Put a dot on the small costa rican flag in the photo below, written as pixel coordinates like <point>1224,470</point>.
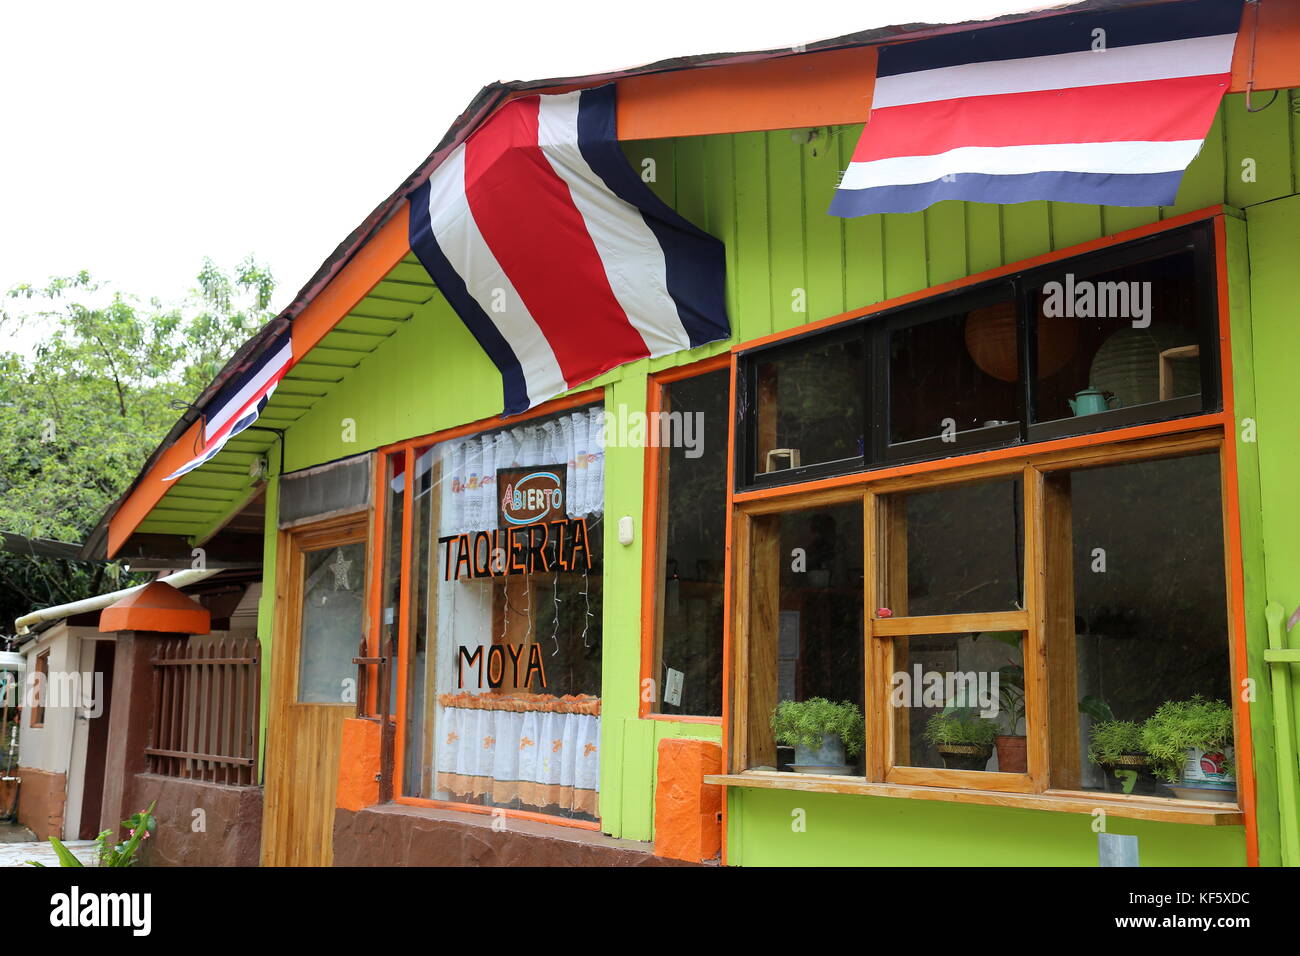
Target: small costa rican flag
<point>1106,108</point>
<point>556,255</point>
<point>238,404</point>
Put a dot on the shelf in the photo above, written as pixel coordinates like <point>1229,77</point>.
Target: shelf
<point>1163,809</point>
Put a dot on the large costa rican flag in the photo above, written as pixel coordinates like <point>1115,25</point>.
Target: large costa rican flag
<point>1105,108</point>
<point>556,255</point>
<point>238,403</point>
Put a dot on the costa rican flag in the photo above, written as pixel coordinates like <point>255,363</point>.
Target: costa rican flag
<point>1105,108</point>
<point>238,404</point>
<point>556,255</point>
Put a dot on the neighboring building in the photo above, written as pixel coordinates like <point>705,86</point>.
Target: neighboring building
<point>902,459</point>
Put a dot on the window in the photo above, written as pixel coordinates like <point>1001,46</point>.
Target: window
<point>1114,338</point>
<point>686,522</point>
<point>502,643</point>
<point>333,620</point>
<point>1010,608</point>
<point>40,689</point>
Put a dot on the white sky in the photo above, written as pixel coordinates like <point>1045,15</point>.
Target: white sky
<point>137,137</point>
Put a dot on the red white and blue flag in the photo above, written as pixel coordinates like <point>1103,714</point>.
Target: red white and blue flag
<point>238,403</point>
<point>556,255</point>
<point>1104,107</point>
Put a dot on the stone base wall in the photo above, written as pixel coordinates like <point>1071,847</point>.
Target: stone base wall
<point>228,831</point>
<point>42,799</point>
<point>397,835</point>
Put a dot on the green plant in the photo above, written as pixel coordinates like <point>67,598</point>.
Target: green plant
<point>1111,739</point>
<point>803,723</point>
<point>138,826</point>
<point>1179,725</point>
<point>1011,695</point>
<point>961,729</point>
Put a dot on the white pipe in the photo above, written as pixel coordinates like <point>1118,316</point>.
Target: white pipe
<point>85,605</point>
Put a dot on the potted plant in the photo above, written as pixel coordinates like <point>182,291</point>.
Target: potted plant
<point>1116,747</point>
<point>1190,746</point>
<point>963,738</point>
<point>821,732</point>
<point>1011,709</point>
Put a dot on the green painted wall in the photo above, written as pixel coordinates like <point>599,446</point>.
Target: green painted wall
<point>766,198</point>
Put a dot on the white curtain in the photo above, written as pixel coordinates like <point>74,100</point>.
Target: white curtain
<point>469,467</point>
<point>543,758</point>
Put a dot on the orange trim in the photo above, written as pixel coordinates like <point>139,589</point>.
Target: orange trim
<point>650,530</point>
<point>1236,563</point>
<point>151,488</point>
<point>379,539</point>
<point>1272,34</point>
<point>354,282</point>
<point>727,597</point>
<point>512,814</point>
<point>1105,242</point>
<point>1213,420</point>
<point>585,397</point>
<point>404,621</point>
<point>828,88</point>
<point>674,719</point>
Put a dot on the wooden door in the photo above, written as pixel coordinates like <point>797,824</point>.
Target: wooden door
<point>321,584</point>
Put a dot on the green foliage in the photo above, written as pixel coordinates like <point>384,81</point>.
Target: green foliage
<point>803,723</point>
<point>79,416</point>
<point>139,826</point>
<point>1096,708</point>
<point>1179,725</point>
<point>960,728</point>
<point>1111,739</point>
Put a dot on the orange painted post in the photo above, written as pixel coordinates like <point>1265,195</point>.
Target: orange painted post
<point>359,764</point>
<point>688,812</point>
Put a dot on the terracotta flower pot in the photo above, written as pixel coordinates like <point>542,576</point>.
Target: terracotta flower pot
<point>1011,754</point>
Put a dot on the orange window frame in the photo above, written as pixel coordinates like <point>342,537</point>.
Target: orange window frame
<point>841,487</point>
<point>653,529</point>
<point>408,447</point>
<point>42,689</point>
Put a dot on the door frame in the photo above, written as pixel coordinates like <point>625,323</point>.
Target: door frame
<point>286,656</point>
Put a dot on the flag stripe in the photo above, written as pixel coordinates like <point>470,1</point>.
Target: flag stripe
<point>631,256</point>
<point>1064,34</point>
<point>253,383</point>
<point>1128,158</point>
<point>1176,109</point>
<point>695,261</point>
<point>458,259</point>
<point>527,216</point>
<point>1155,61</point>
<point>1099,189</point>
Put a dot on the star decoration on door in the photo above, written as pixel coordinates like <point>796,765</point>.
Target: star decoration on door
<point>341,566</point>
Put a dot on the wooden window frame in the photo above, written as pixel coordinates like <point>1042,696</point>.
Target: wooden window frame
<point>654,524</point>
<point>396,770</point>
<point>1146,440</point>
<point>37,720</point>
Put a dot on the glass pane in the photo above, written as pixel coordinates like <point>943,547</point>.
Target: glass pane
<point>810,405</point>
<point>954,374</point>
<point>1150,608</point>
<point>958,702</point>
<point>693,503</point>
<point>1117,339</point>
<point>333,616</point>
<point>806,676</point>
<point>395,508</point>
<point>965,548</point>
<point>503,704</point>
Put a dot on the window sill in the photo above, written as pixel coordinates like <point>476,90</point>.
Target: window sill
<point>1164,809</point>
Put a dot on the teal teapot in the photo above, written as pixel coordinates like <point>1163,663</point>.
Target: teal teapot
<point>1092,400</point>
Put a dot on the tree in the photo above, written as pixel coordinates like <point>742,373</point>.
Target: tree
<point>81,415</point>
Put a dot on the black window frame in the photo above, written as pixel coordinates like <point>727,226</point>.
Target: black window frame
<point>875,328</point>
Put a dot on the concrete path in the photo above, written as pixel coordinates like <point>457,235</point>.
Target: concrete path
<point>17,854</point>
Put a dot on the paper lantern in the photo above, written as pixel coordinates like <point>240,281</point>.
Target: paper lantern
<point>991,341</point>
